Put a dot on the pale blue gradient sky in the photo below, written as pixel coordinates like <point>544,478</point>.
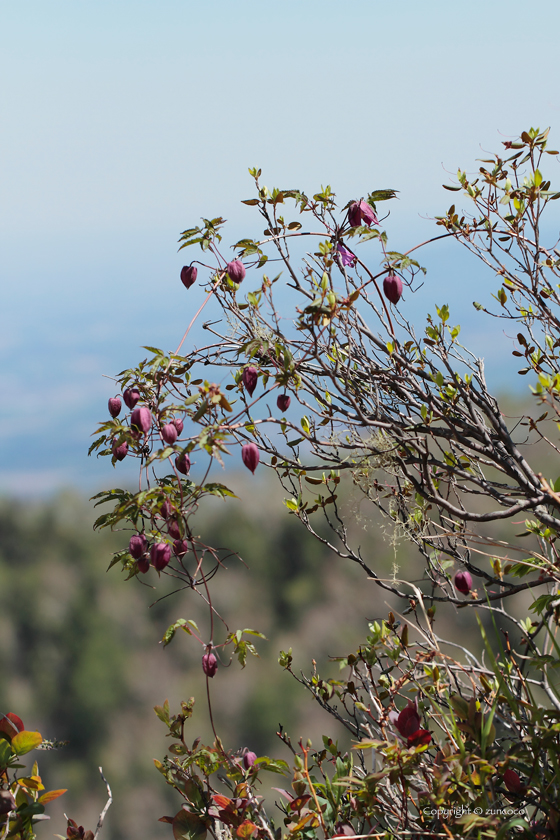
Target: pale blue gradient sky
<point>124,122</point>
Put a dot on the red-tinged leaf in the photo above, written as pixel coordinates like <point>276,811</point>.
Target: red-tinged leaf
<point>246,830</point>
<point>420,738</point>
<point>221,801</point>
<point>297,804</point>
<point>26,741</point>
<point>11,724</point>
<point>166,820</point>
<point>188,826</point>
<point>51,795</point>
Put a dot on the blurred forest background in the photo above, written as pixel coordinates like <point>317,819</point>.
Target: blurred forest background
<point>82,661</point>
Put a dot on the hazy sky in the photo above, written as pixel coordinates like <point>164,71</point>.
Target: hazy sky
<point>124,122</point>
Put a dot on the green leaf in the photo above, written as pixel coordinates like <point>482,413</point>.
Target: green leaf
<point>6,752</point>
<point>188,826</point>
<point>25,741</point>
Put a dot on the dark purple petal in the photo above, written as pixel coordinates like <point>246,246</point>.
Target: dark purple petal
<point>183,463</point>
<point>131,397</point>
<point>137,545</point>
<point>115,405</point>
<point>169,433</point>
<point>160,554</point>
<point>250,378</point>
<point>236,271</point>
<point>188,275</point>
<point>392,286</point>
<point>346,256</point>
<point>141,419</point>
<point>209,664</point>
<point>250,456</point>
<point>463,582</point>
<point>283,402</point>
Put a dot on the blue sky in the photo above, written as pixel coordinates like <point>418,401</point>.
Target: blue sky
<point>124,122</point>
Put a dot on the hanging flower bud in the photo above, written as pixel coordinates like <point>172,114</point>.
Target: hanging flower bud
<point>250,378</point>
<point>160,555</point>
<point>137,545</point>
<point>250,456</point>
<point>143,564</point>
<point>392,286</point>
<point>180,547</point>
<point>346,256</point>
<point>209,664</point>
<point>249,759</point>
<point>188,275</point>
<point>178,423</point>
<point>236,271</point>
<point>115,406</point>
<point>183,463</point>
<point>354,214</point>
<point>165,509</point>
<point>513,782</point>
<point>120,451</point>
<point>463,582</point>
<point>169,433</point>
<point>141,418</point>
<point>283,402</point>
<point>131,397</point>
<point>367,213</point>
<point>173,529</point>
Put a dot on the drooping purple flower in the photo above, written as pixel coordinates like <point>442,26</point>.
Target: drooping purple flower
<point>513,781</point>
<point>143,564</point>
<point>250,378</point>
<point>169,433</point>
<point>178,423</point>
<point>141,419</point>
<point>368,214</point>
<point>283,402</point>
<point>354,214</point>
<point>173,529</point>
<point>183,463</point>
<point>160,554</point>
<point>463,582</point>
<point>180,547</point>
<point>408,725</point>
<point>137,545</point>
<point>209,664</point>
<point>188,275</point>
<point>165,508</point>
<point>236,271</point>
<point>120,451</point>
<point>131,397</point>
<point>250,456</point>
<point>115,405</point>
<point>249,759</point>
<point>392,286</point>
<point>346,256</point>
<point>361,211</point>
